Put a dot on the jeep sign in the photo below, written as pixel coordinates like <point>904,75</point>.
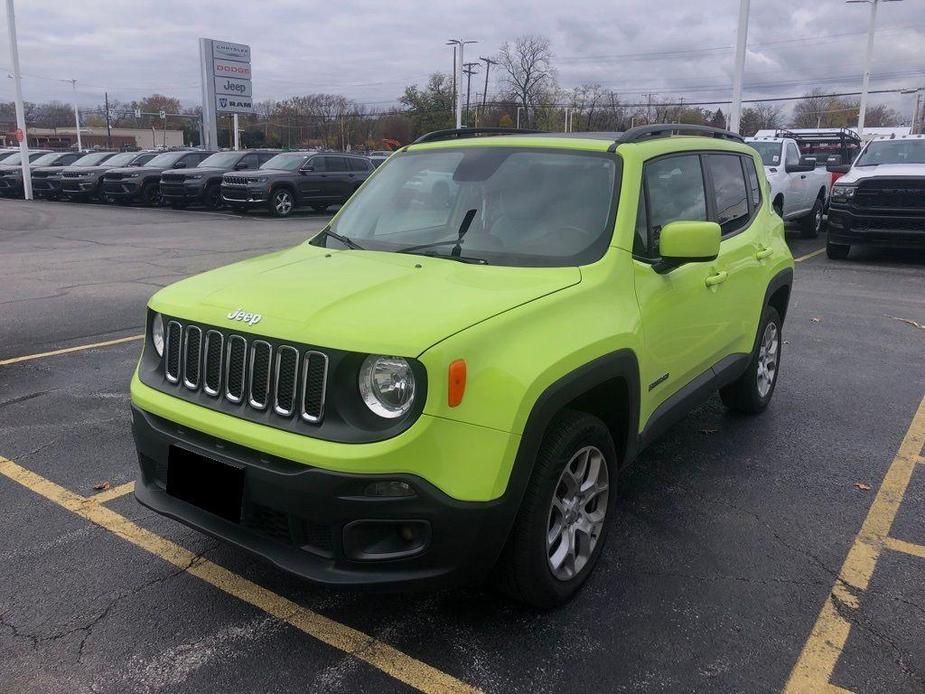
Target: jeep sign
<point>225,68</point>
<point>232,87</point>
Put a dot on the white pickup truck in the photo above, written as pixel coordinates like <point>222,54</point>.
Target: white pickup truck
<point>799,190</point>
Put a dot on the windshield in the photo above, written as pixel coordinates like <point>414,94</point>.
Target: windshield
<point>92,159</point>
<point>221,160</point>
<point>515,206</point>
<point>290,161</point>
<point>123,159</point>
<point>769,151</point>
<point>163,161</point>
<point>13,159</point>
<point>893,152</point>
<point>46,159</point>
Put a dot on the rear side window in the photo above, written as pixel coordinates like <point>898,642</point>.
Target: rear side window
<point>730,193</point>
<point>753,183</point>
<point>674,186</point>
<point>358,164</point>
<point>337,164</point>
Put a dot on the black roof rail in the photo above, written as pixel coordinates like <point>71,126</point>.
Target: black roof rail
<point>650,132</point>
<point>459,133</point>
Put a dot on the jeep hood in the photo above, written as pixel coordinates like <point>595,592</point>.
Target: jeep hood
<point>365,301</point>
<point>859,173</point>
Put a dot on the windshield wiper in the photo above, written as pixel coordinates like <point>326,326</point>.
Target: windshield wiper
<point>348,242</point>
<point>457,242</point>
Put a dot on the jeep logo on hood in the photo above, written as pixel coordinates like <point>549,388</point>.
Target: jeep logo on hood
<point>244,316</point>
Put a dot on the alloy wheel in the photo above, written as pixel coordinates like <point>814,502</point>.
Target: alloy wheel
<point>767,359</point>
<point>577,513</point>
<point>282,202</point>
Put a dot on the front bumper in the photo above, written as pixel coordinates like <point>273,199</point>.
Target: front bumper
<point>849,227</point>
<point>78,187</point>
<point>320,524</point>
<point>11,187</point>
<point>244,195</point>
<point>122,189</point>
<point>181,192</point>
<point>46,187</point>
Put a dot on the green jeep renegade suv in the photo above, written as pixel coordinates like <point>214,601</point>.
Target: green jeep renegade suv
<point>446,381</point>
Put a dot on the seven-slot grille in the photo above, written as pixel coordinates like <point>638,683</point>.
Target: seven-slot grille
<point>244,372</point>
<point>239,180</point>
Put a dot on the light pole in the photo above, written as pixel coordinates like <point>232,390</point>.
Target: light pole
<point>735,117</point>
<point>20,114</point>
<point>470,69</point>
<point>868,54</point>
<point>519,108</point>
<point>461,43</point>
<point>77,116</point>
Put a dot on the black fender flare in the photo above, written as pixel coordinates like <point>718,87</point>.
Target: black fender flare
<point>784,278</point>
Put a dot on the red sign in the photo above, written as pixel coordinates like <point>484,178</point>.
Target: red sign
<point>19,135</point>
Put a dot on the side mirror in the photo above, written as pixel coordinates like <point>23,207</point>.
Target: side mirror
<point>307,169</point>
<point>687,242</point>
<point>240,166</point>
<point>838,168</point>
<point>801,167</point>
<point>180,165</point>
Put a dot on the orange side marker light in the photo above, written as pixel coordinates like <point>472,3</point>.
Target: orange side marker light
<point>457,383</point>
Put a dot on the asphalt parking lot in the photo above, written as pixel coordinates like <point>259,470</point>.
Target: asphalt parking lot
<point>781,552</point>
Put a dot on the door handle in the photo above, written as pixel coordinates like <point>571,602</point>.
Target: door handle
<point>718,278</point>
<point>764,253</point>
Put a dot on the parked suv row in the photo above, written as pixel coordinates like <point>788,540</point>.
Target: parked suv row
<point>297,179</point>
<point>142,183</point>
<point>203,184</point>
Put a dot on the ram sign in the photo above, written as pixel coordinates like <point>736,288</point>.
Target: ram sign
<point>225,68</point>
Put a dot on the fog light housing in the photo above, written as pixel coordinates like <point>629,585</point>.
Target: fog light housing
<point>371,540</point>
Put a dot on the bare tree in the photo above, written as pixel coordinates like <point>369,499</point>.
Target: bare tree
<point>761,117</point>
<point>527,70</point>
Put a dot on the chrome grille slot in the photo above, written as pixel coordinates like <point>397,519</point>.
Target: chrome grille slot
<point>314,381</point>
<point>192,357</point>
<point>212,378</point>
<point>261,352</point>
<point>172,352</point>
<point>235,368</point>
<point>285,380</point>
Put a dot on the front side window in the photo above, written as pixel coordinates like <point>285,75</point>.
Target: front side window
<point>729,190</point>
<point>893,152</point>
<point>123,159</point>
<point>92,159</point>
<point>513,206</point>
<point>358,164</point>
<point>769,152</point>
<point>676,193</point>
<point>793,154</point>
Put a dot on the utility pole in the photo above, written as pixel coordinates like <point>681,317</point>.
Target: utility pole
<point>488,63</point>
<point>237,141</point>
<point>735,117</point>
<point>457,71</point>
<point>109,122</point>
<point>20,113</point>
<point>76,115</point>
<point>868,55</point>
<point>450,43</point>
<point>470,69</point>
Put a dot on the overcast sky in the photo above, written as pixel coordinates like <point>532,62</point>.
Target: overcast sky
<point>369,50</point>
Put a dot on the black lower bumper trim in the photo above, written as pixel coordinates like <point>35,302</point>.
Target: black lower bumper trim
<point>888,231</point>
<point>309,521</point>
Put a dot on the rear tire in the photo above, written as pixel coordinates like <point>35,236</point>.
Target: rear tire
<point>811,224</point>
<point>837,251</point>
<point>281,202</point>
<point>560,530</point>
<point>752,391</point>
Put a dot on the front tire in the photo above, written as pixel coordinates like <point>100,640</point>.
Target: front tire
<point>811,224</point>
<point>151,194</point>
<point>213,197</point>
<point>563,519</point>
<point>837,251</point>
<point>752,391</point>
<point>281,202</point>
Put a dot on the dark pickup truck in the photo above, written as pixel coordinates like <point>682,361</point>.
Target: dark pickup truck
<point>83,182</point>
<point>297,179</point>
<point>202,185</point>
<point>142,183</point>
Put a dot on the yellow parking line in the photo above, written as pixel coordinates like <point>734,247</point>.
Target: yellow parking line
<point>113,493</point>
<point>79,348</point>
<point>380,655</point>
<point>906,547</point>
<point>809,255</point>
<point>827,639</point>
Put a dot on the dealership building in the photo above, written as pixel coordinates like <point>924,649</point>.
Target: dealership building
<point>94,138</point>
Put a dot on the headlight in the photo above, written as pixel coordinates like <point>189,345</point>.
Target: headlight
<point>133,175</point>
<point>157,333</point>
<point>193,177</point>
<point>843,193</point>
<point>387,385</point>
<point>261,179</point>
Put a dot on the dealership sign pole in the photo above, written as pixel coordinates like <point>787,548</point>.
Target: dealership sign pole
<point>226,84</point>
<point>20,114</point>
